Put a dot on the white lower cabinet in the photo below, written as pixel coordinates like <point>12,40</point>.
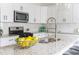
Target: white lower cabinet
<point>7,41</point>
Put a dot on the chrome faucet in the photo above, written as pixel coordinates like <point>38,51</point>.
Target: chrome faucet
<point>51,20</point>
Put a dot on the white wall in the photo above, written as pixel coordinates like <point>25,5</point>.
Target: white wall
<point>31,27</point>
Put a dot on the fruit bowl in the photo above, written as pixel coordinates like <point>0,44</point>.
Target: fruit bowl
<point>24,42</point>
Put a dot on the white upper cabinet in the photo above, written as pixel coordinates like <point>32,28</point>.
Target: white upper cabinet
<point>34,14</point>
<point>6,13</point>
<point>75,13</point>
<point>43,14</point>
<point>62,13</point>
<point>52,11</point>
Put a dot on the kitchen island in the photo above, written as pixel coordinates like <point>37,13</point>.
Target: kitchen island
<point>52,48</point>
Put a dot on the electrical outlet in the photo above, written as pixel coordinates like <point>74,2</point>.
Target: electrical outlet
<point>64,19</point>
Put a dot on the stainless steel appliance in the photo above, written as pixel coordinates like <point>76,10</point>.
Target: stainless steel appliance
<point>21,16</point>
<point>16,30</point>
<point>19,31</point>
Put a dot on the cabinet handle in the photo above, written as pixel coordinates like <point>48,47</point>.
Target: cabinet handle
<point>6,17</point>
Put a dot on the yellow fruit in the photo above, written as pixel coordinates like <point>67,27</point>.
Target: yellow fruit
<point>29,38</point>
<point>21,39</point>
<point>26,41</point>
<point>24,44</point>
<point>34,41</point>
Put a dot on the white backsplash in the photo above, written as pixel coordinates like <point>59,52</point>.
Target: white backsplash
<point>68,28</point>
<point>61,27</point>
<point>31,27</point>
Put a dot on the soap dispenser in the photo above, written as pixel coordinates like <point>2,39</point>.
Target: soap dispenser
<point>42,28</point>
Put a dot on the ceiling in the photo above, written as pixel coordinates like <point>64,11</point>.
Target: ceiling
<point>45,4</point>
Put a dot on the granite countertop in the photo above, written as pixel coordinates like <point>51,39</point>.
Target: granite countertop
<point>4,36</point>
<point>67,33</point>
<point>39,48</point>
<point>71,33</point>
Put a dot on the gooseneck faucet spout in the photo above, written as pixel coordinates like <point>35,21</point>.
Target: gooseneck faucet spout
<point>52,20</point>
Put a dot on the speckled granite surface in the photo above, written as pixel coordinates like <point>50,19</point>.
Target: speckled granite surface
<point>38,49</point>
<point>73,50</point>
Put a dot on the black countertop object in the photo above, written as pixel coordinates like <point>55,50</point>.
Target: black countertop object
<point>26,34</point>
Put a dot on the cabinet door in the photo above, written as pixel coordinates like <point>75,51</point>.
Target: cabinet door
<point>6,13</point>
<point>32,11</point>
<point>34,14</point>
<point>68,14</point>
<point>76,13</point>
<point>43,14</point>
<point>52,12</point>
<point>64,13</point>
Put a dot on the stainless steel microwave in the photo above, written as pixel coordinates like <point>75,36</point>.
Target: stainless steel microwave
<point>21,17</point>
